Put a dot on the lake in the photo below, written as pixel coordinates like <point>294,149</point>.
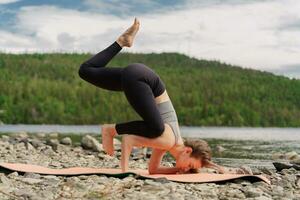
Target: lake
<point>232,133</point>
<point>243,145</point>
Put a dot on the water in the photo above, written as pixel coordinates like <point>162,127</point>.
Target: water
<point>230,133</point>
<point>243,145</point>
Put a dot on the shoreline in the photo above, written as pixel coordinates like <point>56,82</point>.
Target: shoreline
<point>58,152</point>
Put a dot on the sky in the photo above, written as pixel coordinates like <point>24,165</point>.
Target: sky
<point>257,34</point>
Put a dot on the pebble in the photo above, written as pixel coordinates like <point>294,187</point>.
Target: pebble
<point>66,141</point>
<point>31,180</point>
<point>291,155</point>
<point>53,135</point>
<point>285,184</point>
<point>90,142</point>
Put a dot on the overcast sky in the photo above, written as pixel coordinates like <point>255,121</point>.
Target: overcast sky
<point>259,34</point>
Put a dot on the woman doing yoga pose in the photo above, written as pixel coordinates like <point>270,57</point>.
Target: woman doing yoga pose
<point>147,94</point>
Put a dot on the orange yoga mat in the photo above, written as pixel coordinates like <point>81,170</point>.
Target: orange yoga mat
<point>141,173</point>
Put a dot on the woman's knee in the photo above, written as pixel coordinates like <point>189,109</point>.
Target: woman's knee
<point>158,130</point>
<point>82,70</point>
<point>131,72</point>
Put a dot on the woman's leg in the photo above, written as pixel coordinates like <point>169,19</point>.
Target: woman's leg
<point>140,96</point>
<point>94,71</point>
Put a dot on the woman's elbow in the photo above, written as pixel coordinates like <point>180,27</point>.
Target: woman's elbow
<point>152,170</point>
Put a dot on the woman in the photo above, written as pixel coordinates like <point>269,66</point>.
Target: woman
<point>147,94</point>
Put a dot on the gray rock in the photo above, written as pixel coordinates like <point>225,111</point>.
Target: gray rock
<point>51,177</point>
<point>20,135</point>
<point>266,171</point>
<point>32,175</point>
<point>36,143</point>
<point>296,161</point>
<point>66,141</point>
<point>53,143</point>
<point>235,193</point>
<point>220,149</point>
<point>277,190</point>
<point>53,135</point>
<point>276,156</point>
<point>117,144</point>
<point>291,155</point>
<point>252,192</point>
<point>25,193</point>
<point>5,138</point>
<point>51,180</point>
<point>41,135</point>
<point>31,181</point>
<point>29,146</point>
<point>4,180</point>
<point>90,142</point>
<point>13,175</point>
<point>263,198</point>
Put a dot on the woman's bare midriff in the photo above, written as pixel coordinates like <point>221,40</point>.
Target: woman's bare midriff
<point>162,98</point>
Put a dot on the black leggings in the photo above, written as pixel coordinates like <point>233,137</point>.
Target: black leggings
<point>139,83</point>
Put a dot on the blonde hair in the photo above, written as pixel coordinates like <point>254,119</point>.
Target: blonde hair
<point>201,150</point>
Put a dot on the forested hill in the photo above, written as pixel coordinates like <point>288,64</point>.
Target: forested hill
<point>46,88</point>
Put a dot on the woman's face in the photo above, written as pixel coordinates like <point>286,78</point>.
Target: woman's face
<point>185,162</point>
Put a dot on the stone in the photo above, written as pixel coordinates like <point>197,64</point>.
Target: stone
<point>25,193</point>
<point>90,142</point>
<point>277,190</point>
<point>51,177</point>
<point>291,155</point>
<point>41,135</point>
<point>220,149</point>
<point>32,175</point>
<point>235,193</point>
<point>4,180</point>
<point>53,143</point>
<point>36,143</point>
<point>29,146</point>
<point>262,198</point>
<point>296,161</point>
<point>20,135</point>
<point>53,135</point>
<point>276,156</point>
<point>13,175</point>
<point>246,169</point>
<point>280,165</point>
<point>66,141</point>
<point>266,171</point>
<point>31,181</point>
<point>252,192</point>
<point>5,138</point>
<point>117,144</point>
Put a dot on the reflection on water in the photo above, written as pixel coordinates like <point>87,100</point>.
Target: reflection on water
<point>235,133</point>
<point>251,146</point>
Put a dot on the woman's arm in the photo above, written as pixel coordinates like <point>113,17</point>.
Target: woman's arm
<point>154,163</point>
<point>126,148</point>
<point>129,141</point>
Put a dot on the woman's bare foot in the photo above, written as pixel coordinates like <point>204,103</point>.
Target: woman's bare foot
<point>126,39</point>
<point>108,132</point>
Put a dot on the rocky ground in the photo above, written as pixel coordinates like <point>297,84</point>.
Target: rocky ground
<point>57,152</point>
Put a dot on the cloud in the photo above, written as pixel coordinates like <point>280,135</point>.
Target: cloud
<point>258,34</point>
<point>8,1</point>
